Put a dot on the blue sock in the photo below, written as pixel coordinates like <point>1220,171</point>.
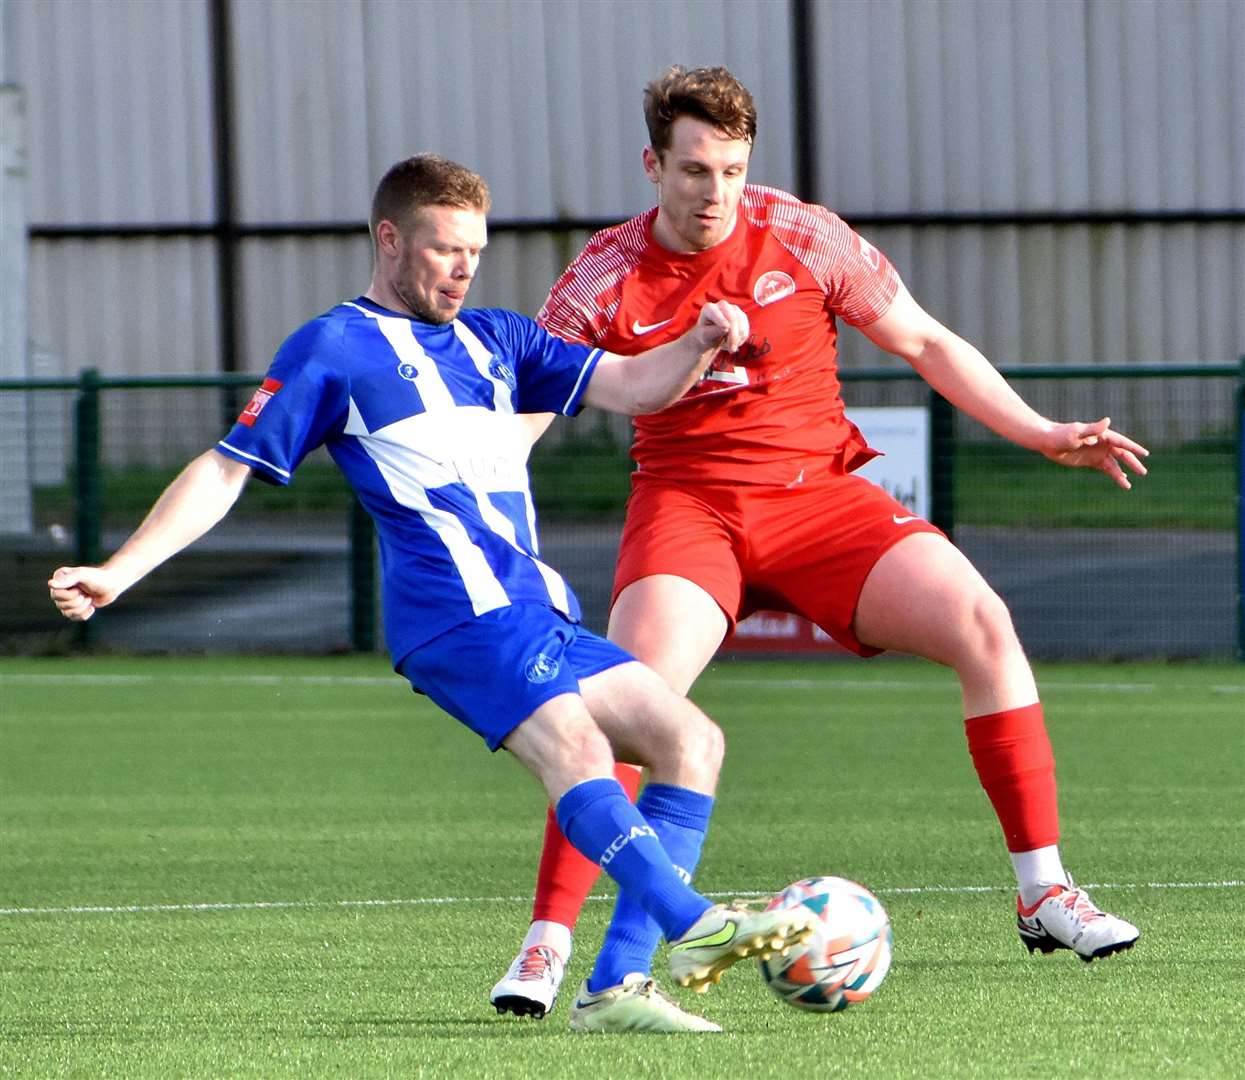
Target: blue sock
<point>598,819</point>
<point>680,817</point>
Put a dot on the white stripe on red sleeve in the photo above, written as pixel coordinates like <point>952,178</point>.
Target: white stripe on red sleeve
<point>859,281</point>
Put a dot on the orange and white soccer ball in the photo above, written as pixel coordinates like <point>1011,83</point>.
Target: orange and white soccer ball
<point>847,956</point>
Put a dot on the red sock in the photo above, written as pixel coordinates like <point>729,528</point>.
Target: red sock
<point>1013,758</point>
<point>565,877</point>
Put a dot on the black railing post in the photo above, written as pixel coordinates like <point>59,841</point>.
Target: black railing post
<point>362,579</point>
<point>1240,513</point>
<point>225,227</point>
<point>87,495</point>
<point>942,463</point>
<point>805,136</point>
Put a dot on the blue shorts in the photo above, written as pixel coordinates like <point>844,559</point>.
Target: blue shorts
<point>493,672</point>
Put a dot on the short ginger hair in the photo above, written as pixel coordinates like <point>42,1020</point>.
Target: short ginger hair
<point>426,180</point>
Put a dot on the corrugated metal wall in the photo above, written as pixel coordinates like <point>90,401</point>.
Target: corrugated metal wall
<point>1032,104</point>
<point>959,105</point>
<point>120,124</point>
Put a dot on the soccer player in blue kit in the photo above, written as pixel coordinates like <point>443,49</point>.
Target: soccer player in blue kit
<point>422,405</point>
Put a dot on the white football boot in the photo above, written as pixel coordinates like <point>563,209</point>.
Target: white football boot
<point>727,933</point>
<point>636,1004</point>
<point>1066,918</point>
<point>530,987</point>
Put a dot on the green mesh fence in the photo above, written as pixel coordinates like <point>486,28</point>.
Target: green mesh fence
<point>274,576</point>
<point>1088,570</point>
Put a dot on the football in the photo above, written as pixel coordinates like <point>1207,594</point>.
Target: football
<point>847,956</point>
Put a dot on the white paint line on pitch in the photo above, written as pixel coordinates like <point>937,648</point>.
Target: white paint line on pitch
<point>950,685</point>
<point>426,901</point>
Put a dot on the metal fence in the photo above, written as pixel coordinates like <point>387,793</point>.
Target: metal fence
<point>1088,571</point>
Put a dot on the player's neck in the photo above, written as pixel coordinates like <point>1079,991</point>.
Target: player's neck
<point>387,298</point>
<point>666,235</point>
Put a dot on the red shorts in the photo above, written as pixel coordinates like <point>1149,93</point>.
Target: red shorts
<point>804,549</point>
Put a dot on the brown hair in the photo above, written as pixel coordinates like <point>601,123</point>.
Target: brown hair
<point>426,180</point>
<point>713,95</point>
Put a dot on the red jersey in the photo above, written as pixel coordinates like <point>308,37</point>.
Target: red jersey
<point>771,409</point>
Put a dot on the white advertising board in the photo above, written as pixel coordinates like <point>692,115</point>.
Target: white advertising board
<point>902,434</point>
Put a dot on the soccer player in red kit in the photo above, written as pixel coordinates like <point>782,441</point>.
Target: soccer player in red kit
<point>745,496</point>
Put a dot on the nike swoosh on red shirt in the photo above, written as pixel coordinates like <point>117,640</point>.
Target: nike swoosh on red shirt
<point>639,329</point>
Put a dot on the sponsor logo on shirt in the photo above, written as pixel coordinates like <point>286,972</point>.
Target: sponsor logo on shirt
<point>259,399</point>
<point>729,367</point>
<point>496,473</point>
<point>772,286</point>
<point>540,668</point>
<point>501,371</point>
<point>408,371</point>
<point>750,352</point>
<point>869,252</point>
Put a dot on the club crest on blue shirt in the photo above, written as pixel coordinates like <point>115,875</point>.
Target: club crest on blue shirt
<point>408,371</point>
<point>501,371</point>
<point>540,668</point>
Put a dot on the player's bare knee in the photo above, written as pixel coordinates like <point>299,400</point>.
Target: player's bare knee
<point>987,633</point>
<point>588,746</point>
<point>578,743</point>
<point>684,745</point>
<point>712,744</point>
<point>700,747</point>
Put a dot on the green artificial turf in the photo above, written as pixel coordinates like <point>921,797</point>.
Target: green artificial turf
<point>272,868</point>
<point>587,477</point>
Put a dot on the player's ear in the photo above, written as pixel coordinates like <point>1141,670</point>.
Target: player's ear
<point>388,237</point>
<point>652,164</point>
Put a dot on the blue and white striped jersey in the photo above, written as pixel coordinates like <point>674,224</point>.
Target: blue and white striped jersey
<point>421,420</point>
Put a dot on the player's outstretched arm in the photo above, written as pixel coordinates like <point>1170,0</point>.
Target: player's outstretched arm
<point>961,374</point>
<point>197,499</point>
<point>651,380</point>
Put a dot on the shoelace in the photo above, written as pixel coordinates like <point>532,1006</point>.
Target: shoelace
<point>534,964</point>
<point>1077,901</point>
<point>650,989</point>
<point>746,907</point>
